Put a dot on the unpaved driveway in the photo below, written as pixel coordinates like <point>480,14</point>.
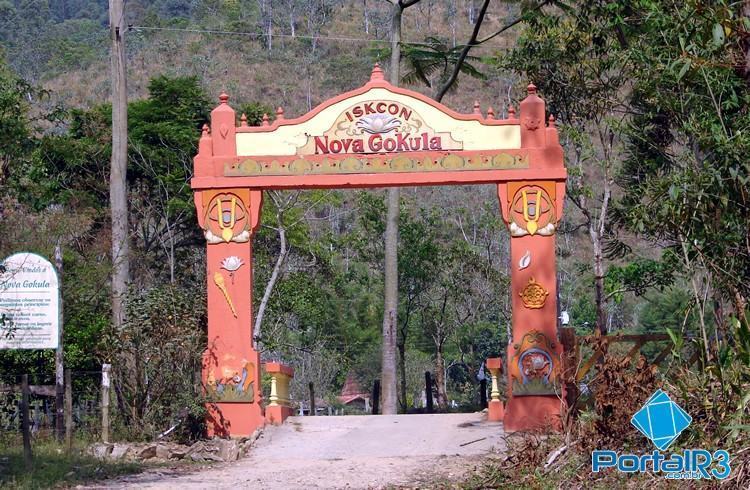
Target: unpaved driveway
<point>345,452</point>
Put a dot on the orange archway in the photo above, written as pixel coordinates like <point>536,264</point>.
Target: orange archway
<point>380,135</point>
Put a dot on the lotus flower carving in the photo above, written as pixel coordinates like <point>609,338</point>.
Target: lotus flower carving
<point>378,123</point>
<point>232,264</point>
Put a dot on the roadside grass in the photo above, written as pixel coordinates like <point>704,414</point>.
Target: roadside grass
<point>52,466</point>
<point>571,471</point>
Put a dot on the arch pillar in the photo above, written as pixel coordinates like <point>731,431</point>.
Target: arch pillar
<point>532,210</point>
<point>343,144</point>
<point>231,363</point>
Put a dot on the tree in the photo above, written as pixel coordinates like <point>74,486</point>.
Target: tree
<point>418,263</point>
<point>162,145</point>
<point>15,124</point>
<point>686,175</point>
<point>388,383</point>
<point>285,215</point>
<point>432,63</point>
<point>577,59</point>
<point>457,298</point>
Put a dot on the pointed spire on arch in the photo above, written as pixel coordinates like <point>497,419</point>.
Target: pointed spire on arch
<point>377,73</point>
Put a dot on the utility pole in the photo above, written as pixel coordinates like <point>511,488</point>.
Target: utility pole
<point>59,364</point>
<point>118,190</point>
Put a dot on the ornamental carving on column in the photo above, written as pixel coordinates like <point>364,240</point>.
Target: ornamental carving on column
<point>226,217</point>
<point>532,124</point>
<point>533,295</point>
<point>231,382</point>
<point>532,210</point>
<point>534,369</point>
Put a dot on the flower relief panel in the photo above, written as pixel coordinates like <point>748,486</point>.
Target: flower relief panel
<point>535,366</point>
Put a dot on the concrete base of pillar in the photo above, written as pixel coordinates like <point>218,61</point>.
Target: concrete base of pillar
<point>496,411</point>
<point>234,419</point>
<point>277,414</point>
<point>533,413</point>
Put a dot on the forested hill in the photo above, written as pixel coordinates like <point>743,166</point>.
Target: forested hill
<point>293,53</point>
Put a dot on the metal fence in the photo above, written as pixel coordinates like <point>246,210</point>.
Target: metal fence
<point>84,398</point>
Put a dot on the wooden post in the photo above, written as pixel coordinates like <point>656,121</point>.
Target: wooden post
<point>105,402</point>
<point>312,398</point>
<point>376,397</point>
<point>118,184</point>
<point>428,391</point>
<point>483,393</point>
<point>59,364</point>
<point>68,411</point>
<point>570,365</point>
<point>25,420</point>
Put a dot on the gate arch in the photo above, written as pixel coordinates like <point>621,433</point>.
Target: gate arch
<point>380,135</point>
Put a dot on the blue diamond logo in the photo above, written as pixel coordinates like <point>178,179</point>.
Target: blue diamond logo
<point>661,420</point>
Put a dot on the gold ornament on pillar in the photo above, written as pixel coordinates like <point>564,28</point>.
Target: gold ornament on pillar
<point>219,281</point>
<point>226,218</point>
<point>532,209</point>
<point>532,218</point>
<point>533,295</point>
<point>226,223</point>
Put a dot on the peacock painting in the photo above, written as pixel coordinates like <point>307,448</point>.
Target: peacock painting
<point>234,386</point>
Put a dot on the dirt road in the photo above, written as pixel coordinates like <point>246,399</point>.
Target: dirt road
<point>345,452</point>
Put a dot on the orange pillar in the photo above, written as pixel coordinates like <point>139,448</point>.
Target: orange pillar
<point>229,219</point>
<point>532,210</point>
<point>231,365</point>
<point>279,406</point>
<point>496,410</point>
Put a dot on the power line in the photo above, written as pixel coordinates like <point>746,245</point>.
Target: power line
<point>255,35</point>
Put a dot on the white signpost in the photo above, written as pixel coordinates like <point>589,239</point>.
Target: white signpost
<point>29,303</point>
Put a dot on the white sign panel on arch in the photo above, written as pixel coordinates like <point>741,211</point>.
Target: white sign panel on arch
<point>29,303</point>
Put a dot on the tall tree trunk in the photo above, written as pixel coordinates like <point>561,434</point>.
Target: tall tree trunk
<point>388,384</point>
<point>367,16</point>
<point>283,253</point>
<point>597,229</point>
<point>601,312</point>
<point>402,376</point>
<point>118,190</point>
<point>442,396</point>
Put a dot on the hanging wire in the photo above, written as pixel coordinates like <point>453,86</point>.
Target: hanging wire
<point>255,35</point>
